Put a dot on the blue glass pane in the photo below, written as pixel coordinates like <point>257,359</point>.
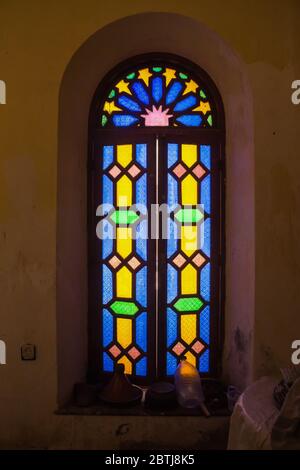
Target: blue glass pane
<point>172,192</point>
<point>206,244</point>
<point>107,327</point>
<point>204,324</point>
<point>173,92</point>
<point>171,326</point>
<point>204,362</point>
<point>157,89</point>
<point>141,190</point>
<point>192,120</point>
<point>186,103</point>
<point>108,365</point>
<point>205,155</point>
<point>141,239</point>
<point>141,286</point>
<point>171,364</point>
<point>107,242</point>
<point>172,154</point>
<point>206,194</point>
<point>128,103</point>
<point>141,331</point>
<point>108,155</point>
<point>205,282</point>
<point>172,237</point>
<point>172,281</point>
<point>123,120</point>
<point>140,92</point>
<point>106,284</point>
<point>141,367</point>
<point>141,154</point>
<point>107,192</point>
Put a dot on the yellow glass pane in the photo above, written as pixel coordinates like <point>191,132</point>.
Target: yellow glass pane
<point>128,365</point>
<point>188,280</point>
<point>124,283</point>
<point>169,74</point>
<point>110,107</point>
<point>189,154</point>
<point>189,239</point>
<point>124,154</point>
<point>203,108</point>
<point>188,327</point>
<point>144,74</point>
<point>124,192</point>
<point>189,191</point>
<point>123,87</point>
<point>190,358</point>
<point>124,241</point>
<point>124,332</point>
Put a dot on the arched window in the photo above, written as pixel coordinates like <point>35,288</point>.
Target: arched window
<point>156,216</point>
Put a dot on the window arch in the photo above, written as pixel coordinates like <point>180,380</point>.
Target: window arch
<point>156,137</point>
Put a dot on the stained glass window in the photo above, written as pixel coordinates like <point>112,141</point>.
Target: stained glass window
<point>188,269</point>
<point>124,259</point>
<point>154,300</point>
<point>157,96</point>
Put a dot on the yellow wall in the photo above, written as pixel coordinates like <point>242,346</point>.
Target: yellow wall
<point>37,40</point>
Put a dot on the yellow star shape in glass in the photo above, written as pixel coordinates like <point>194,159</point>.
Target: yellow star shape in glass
<point>110,107</point>
<point>169,74</point>
<point>144,75</point>
<point>123,86</point>
<point>190,86</point>
<point>203,107</point>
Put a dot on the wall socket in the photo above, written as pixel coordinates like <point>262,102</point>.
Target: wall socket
<point>28,352</point>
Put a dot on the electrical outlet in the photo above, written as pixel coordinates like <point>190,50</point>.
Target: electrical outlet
<point>28,352</point>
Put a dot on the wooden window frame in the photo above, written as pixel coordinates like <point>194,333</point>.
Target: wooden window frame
<point>216,138</point>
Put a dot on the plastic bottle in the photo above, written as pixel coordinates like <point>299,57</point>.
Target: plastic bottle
<point>188,385</point>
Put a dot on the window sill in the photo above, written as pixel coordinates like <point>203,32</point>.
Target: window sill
<point>89,404</point>
<point>100,409</point>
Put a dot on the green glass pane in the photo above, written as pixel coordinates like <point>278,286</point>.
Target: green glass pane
<point>112,94</point>
<point>183,76</point>
<point>157,69</point>
<point>130,76</point>
<point>103,120</point>
<point>202,94</point>
<point>124,308</point>
<point>188,304</point>
<point>188,215</point>
<point>124,217</point>
<point>209,120</point>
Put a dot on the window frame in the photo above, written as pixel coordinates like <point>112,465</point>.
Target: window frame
<point>214,136</point>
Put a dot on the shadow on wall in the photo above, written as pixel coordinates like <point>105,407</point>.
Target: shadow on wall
<point>99,54</point>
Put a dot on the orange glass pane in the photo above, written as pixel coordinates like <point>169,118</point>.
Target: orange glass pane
<point>127,364</point>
